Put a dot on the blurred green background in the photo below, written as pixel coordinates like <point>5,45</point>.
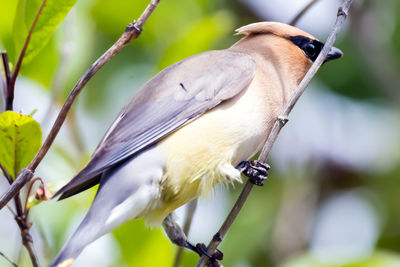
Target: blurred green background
<point>333,193</point>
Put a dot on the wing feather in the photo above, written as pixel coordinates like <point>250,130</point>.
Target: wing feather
<point>172,98</point>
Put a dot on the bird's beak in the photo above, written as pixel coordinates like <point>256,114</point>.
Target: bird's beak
<point>335,53</point>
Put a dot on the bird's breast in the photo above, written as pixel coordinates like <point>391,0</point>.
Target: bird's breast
<point>228,134</point>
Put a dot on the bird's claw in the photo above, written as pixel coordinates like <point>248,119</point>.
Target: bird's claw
<point>201,249</point>
<point>255,170</point>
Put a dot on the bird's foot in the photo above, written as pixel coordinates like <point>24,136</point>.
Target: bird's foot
<point>255,170</point>
<point>201,249</point>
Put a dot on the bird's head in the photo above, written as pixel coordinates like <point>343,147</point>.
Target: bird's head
<point>283,52</point>
<point>303,43</point>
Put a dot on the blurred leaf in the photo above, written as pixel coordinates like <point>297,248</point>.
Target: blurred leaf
<point>198,37</point>
<point>118,16</point>
<point>377,258</point>
<point>349,75</point>
<point>70,158</point>
<point>142,246</point>
<point>163,22</point>
<point>53,13</point>
<point>6,29</point>
<point>43,69</point>
<point>21,138</point>
<point>189,258</point>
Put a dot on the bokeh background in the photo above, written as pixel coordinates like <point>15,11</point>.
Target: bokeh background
<point>333,195</point>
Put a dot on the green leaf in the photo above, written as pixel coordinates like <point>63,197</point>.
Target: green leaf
<point>197,37</point>
<point>20,139</point>
<point>52,15</point>
<point>43,70</point>
<point>6,29</point>
<point>380,258</point>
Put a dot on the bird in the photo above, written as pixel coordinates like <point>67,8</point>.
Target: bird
<point>194,125</point>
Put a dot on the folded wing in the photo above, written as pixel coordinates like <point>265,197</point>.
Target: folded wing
<point>172,98</point>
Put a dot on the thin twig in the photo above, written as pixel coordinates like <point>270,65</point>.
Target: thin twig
<point>7,74</point>
<point>302,12</point>
<point>191,208</point>
<point>24,227</point>
<point>21,217</point>
<point>10,95</point>
<point>7,259</point>
<point>280,122</point>
<point>132,31</point>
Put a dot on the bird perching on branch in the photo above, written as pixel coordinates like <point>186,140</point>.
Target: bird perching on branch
<point>192,126</point>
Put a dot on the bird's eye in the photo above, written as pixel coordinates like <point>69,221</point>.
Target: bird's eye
<point>310,50</point>
<point>310,47</point>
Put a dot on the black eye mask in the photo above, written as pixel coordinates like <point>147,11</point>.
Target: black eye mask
<point>312,48</point>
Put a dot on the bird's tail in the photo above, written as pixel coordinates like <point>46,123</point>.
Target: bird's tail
<point>83,235</point>
<point>67,255</point>
<point>119,199</point>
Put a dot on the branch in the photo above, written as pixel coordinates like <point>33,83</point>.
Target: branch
<point>24,226</point>
<point>302,12</point>
<point>10,95</point>
<point>132,31</point>
<point>21,218</point>
<point>279,123</point>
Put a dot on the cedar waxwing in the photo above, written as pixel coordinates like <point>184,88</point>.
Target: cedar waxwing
<point>193,125</point>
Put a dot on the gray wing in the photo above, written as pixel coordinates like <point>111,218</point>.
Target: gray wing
<point>172,98</point>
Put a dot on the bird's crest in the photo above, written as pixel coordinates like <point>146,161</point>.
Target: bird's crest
<point>276,28</point>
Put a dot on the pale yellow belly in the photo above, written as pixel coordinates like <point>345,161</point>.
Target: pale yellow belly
<point>226,135</point>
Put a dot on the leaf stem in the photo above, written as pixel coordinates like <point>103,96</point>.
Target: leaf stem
<point>11,87</point>
<point>7,74</point>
